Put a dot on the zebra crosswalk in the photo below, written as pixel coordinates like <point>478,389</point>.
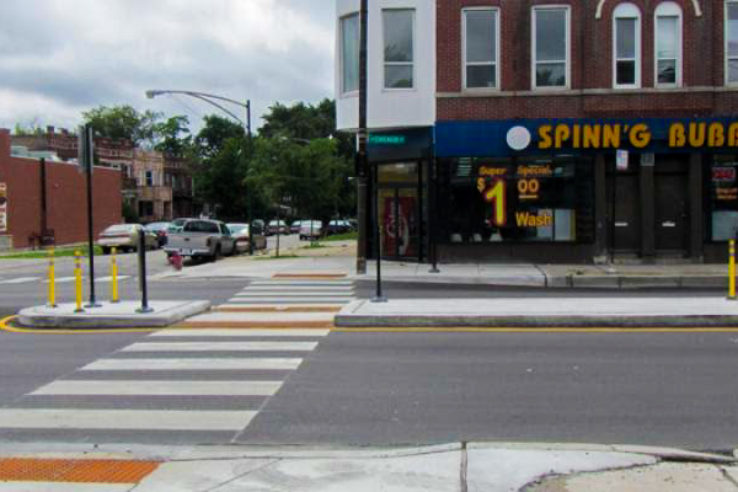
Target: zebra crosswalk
<point>175,385</point>
<point>204,381</point>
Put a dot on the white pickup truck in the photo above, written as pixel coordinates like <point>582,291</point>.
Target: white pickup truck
<point>200,239</point>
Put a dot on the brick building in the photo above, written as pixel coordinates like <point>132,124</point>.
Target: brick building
<point>22,217</point>
<point>562,130</point>
<point>155,187</point>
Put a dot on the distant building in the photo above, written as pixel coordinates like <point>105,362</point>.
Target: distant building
<point>155,188</point>
<point>34,210</point>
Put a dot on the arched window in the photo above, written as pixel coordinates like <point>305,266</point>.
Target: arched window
<point>626,44</point>
<point>668,44</point>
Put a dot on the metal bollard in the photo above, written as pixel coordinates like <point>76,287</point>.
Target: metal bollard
<point>731,270</point>
<point>145,308</point>
<point>78,281</point>
<point>114,298</point>
<point>52,279</point>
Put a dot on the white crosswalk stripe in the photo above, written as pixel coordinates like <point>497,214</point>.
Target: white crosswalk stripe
<point>173,382</point>
<point>19,280</point>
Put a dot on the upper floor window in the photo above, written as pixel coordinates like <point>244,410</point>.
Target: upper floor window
<point>551,47</point>
<point>350,53</point>
<point>480,48</point>
<point>668,38</point>
<point>627,46</point>
<point>398,48</point>
<point>149,178</point>
<point>731,43</point>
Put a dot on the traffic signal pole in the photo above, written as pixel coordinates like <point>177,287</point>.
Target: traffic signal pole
<point>361,158</point>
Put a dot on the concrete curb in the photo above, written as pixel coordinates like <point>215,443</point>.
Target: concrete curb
<point>343,320</point>
<point>253,451</point>
<point>40,317</point>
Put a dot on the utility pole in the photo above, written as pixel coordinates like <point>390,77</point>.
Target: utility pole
<point>361,157</point>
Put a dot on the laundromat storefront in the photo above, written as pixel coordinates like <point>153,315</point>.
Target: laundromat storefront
<point>587,190</point>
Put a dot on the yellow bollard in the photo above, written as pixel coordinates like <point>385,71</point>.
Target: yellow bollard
<point>78,281</point>
<point>52,279</point>
<point>731,269</point>
<point>113,277</point>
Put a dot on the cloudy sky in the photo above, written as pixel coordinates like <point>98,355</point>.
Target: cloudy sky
<point>61,57</point>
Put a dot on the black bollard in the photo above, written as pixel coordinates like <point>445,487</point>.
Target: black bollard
<point>142,273</point>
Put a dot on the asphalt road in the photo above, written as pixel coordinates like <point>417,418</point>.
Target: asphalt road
<point>375,387</point>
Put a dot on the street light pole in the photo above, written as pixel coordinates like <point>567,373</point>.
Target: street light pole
<point>208,98</point>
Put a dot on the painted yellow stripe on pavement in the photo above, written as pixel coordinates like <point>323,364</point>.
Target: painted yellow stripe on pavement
<point>6,325</point>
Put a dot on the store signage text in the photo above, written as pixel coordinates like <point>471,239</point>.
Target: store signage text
<point>527,219</point>
<point>680,135</point>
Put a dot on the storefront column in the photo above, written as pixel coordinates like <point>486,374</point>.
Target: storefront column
<point>696,243</point>
<point>648,214</point>
<point>602,232</point>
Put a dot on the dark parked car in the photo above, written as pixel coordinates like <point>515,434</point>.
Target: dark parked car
<point>160,229</point>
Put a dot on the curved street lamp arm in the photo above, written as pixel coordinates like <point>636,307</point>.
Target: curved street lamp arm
<point>198,96</point>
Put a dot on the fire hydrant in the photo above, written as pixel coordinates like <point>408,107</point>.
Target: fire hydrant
<point>175,259</point>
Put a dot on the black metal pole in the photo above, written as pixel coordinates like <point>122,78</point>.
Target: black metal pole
<point>613,204</point>
<point>432,207</point>
<point>44,210</point>
<point>88,156</point>
<point>142,273</point>
<point>361,158</point>
<point>377,249</point>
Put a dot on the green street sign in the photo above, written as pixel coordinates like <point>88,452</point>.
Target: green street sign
<point>387,139</point>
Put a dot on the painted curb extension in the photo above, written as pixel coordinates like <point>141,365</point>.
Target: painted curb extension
<point>30,318</point>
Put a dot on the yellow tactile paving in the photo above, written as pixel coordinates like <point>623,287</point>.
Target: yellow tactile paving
<point>76,471</point>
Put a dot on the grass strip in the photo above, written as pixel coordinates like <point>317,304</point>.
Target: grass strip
<point>58,253</point>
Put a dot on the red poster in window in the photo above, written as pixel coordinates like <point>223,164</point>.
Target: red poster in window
<point>399,230</point>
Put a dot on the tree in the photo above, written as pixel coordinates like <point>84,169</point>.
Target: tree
<point>123,122</point>
<point>167,134</point>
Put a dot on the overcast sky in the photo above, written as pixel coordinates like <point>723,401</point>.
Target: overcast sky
<point>61,57</point>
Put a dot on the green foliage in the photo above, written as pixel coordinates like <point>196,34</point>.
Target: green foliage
<point>130,214</point>
<point>346,236</point>
<point>64,252</point>
<point>29,130</point>
<point>123,122</point>
<point>168,136</point>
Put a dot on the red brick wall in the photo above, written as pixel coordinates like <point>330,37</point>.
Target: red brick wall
<point>591,65</point>
<point>66,198</point>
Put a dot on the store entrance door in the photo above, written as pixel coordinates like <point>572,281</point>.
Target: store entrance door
<point>399,217</point>
<point>624,211</point>
<point>672,209</point>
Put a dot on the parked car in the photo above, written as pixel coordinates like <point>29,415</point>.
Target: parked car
<point>338,227</point>
<point>277,226</point>
<point>124,237</point>
<point>311,229</point>
<point>160,229</point>
<point>176,224</point>
<point>295,226</point>
<point>201,239</point>
<point>240,234</point>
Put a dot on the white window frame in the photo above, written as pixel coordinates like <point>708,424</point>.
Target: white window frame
<point>497,63</point>
<point>413,63</point>
<point>726,57</point>
<point>534,60</point>
<point>627,11</point>
<point>342,60</point>
<point>668,9</point>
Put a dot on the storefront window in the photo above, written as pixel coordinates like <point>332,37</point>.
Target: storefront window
<point>513,200</point>
<point>724,197</point>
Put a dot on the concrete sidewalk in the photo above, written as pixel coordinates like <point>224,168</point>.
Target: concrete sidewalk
<point>499,274</point>
<point>543,312</point>
<point>447,467</point>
